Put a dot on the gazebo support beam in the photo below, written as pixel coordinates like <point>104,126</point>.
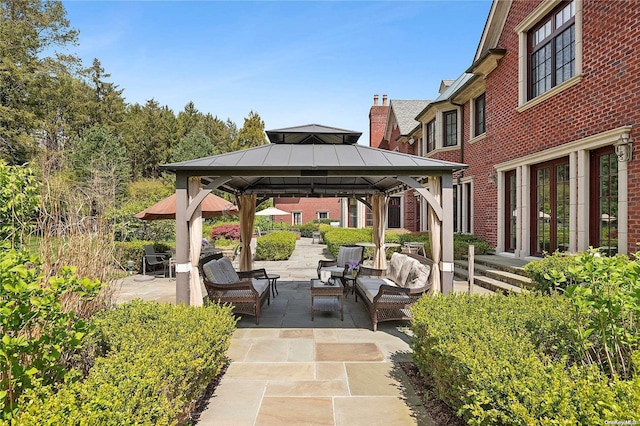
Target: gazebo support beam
<point>183,266</point>
<point>446,265</point>
<point>417,186</point>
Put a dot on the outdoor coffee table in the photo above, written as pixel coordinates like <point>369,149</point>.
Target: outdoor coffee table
<point>327,298</point>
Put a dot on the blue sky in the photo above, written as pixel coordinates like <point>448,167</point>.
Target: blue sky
<point>293,62</point>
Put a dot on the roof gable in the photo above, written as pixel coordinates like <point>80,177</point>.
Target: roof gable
<point>405,112</point>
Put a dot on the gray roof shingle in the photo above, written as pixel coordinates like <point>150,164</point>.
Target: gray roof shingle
<point>405,112</point>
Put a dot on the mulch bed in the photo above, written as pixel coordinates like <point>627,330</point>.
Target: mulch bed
<point>441,413</point>
<point>203,401</point>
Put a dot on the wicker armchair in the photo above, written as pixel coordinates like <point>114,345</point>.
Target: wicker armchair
<point>245,290</point>
<point>339,266</point>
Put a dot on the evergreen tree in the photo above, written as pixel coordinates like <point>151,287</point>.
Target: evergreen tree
<point>188,120</point>
<point>150,134</point>
<point>27,29</point>
<point>252,133</point>
<point>107,105</point>
<point>195,145</point>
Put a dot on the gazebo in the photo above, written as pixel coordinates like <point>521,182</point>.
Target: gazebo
<point>312,161</point>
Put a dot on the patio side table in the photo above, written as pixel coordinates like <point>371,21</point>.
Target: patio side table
<point>327,298</point>
<point>273,278</point>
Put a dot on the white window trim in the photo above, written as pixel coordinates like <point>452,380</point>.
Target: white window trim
<point>322,211</point>
<point>466,189</point>
<point>578,153</point>
<point>293,217</point>
<point>523,58</point>
<point>477,139</point>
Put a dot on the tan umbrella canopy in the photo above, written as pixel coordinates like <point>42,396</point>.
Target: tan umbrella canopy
<point>272,211</point>
<point>212,206</point>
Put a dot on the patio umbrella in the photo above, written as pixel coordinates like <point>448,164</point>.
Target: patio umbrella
<point>212,206</point>
<point>271,212</point>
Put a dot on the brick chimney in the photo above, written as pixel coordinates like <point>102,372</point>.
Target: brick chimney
<point>377,121</point>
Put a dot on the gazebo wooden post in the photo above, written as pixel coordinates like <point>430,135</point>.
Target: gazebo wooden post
<point>446,265</point>
<point>183,268</point>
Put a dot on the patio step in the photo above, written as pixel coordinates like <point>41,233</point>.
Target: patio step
<point>484,281</point>
<point>517,278</point>
<point>496,273</point>
<point>506,264</point>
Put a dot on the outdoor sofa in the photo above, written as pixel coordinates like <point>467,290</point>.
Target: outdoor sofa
<point>245,290</point>
<point>389,293</point>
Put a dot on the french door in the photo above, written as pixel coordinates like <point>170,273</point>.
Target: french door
<point>550,207</point>
<point>603,205</point>
<point>510,211</point>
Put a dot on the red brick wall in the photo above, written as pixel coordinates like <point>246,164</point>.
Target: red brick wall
<point>309,208</point>
<point>377,121</point>
<point>607,97</point>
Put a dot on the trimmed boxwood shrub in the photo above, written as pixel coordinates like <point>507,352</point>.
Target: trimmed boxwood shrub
<point>278,245</point>
<point>157,360</point>
<point>508,360</point>
<point>336,237</point>
<point>461,243</point>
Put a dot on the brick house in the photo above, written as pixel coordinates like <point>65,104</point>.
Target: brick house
<point>390,128</point>
<point>305,210</point>
<point>545,117</point>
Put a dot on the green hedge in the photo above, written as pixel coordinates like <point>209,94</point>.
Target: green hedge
<point>133,250</point>
<point>336,237</point>
<point>158,360</point>
<point>277,245</point>
<point>506,360</point>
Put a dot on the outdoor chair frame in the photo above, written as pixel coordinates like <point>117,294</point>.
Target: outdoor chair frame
<point>242,294</point>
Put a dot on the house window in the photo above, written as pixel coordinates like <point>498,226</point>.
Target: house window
<point>353,213</point>
<point>431,135</point>
<point>393,213</point>
<point>297,218</point>
<point>552,54</point>
<point>478,111</point>
<point>450,131</point>
<point>323,215</point>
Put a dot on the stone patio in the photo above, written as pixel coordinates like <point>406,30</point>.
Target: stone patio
<point>293,371</point>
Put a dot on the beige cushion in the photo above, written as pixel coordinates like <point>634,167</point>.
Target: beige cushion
<point>395,266</point>
<point>371,285</point>
<point>261,285</point>
<point>419,276</point>
<point>407,267</point>
<point>336,271</point>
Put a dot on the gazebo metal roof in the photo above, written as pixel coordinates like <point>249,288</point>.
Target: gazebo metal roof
<point>313,169</point>
<point>313,133</point>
